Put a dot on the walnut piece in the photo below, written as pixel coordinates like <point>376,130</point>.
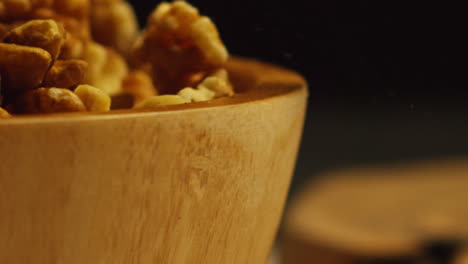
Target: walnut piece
<point>156,102</point>
<point>45,34</point>
<point>88,45</point>
<point>114,24</point>
<point>139,85</point>
<point>93,98</point>
<point>22,68</point>
<point>179,42</point>
<point>47,101</point>
<point>66,73</point>
<point>196,95</point>
<point>220,86</point>
<point>107,69</point>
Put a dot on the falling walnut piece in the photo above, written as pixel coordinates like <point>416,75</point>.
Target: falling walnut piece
<point>22,68</point>
<point>66,73</point>
<point>93,98</point>
<point>47,101</point>
<point>45,34</point>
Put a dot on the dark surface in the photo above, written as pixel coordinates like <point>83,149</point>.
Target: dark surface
<point>388,80</point>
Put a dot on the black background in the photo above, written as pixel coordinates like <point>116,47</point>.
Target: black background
<point>388,80</point>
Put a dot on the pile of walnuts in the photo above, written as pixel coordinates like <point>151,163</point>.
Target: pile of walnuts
<point>89,55</point>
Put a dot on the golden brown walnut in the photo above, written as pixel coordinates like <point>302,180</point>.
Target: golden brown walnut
<point>93,98</point>
<point>139,85</point>
<point>45,34</point>
<point>22,68</point>
<point>78,32</point>
<point>156,102</point>
<point>114,24</point>
<point>48,43</point>
<point>47,101</point>
<point>179,42</point>
<point>213,86</point>
<point>66,73</point>
<point>71,23</point>
<point>7,27</point>
<point>106,70</point>
<point>4,113</point>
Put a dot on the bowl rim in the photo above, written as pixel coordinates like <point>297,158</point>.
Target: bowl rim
<point>266,82</point>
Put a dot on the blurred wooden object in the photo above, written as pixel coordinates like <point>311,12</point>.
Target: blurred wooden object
<point>202,184</point>
<point>461,258</point>
<point>405,214</point>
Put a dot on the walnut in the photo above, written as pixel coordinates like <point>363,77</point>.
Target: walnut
<point>93,98</point>
<point>214,86</point>
<point>69,43</point>
<point>106,70</point>
<point>179,42</point>
<point>22,68</point>
<point>47,101</point>
<point>66,74</point>
<point>139,85</point>
<point>114,24</point>
<point>196,95</point>
<point>45,34</point>
<point>220,86</point>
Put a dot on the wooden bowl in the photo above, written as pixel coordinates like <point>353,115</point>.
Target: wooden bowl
<point>201,183</point>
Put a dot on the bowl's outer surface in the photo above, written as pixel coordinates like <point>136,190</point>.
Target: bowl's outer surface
<point>203,184</point>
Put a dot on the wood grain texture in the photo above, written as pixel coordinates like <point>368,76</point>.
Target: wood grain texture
<point>200,183</point>
<point>404,214</point>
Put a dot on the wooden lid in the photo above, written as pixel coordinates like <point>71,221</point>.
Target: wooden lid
<point>462,258</point>
<point>380,212</point>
